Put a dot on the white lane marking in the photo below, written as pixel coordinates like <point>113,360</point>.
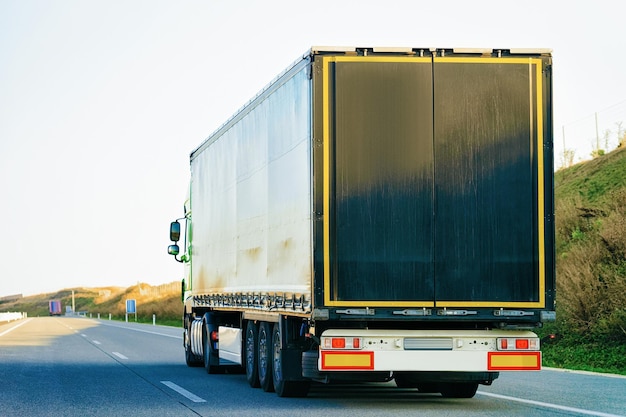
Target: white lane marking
<point>182,391</point>
<point>549,405</point>
<point>144,331</point>
<point>96,342</point>
<point>15,327</point>
<point>119,355</point>
<point>573,371</point>
<point>83,335</point>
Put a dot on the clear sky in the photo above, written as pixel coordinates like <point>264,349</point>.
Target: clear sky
<point>101,102</point>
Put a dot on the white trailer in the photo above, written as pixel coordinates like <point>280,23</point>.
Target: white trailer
<point>376,214</point>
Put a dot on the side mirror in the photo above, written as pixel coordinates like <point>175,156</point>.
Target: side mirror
<point>174,233</point>
<point>173,250</point>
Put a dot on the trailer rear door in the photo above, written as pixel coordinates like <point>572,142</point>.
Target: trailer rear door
<point>433,181</point>
<point>379,166</point>
<point>488,153</point>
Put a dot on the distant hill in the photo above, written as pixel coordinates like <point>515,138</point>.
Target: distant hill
<point>162,300</point>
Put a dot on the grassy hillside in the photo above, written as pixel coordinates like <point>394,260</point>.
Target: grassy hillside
<point>591,266</point>
<point>594,181</point>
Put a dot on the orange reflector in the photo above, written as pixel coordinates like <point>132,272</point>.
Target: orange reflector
<point>504,344</point>
<point>346,361</point>
<point>338,343</point>
<point>514,361</point>
<point>214,336</point>
<point>356,343</point>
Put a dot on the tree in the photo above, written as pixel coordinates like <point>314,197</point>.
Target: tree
<point>621,135</point>
<point>568,158</point>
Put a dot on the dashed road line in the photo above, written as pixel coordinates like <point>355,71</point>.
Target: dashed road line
<point>575,371</point>
<point>182,391</point>
<point>143,331</point>
<point>119,355</point>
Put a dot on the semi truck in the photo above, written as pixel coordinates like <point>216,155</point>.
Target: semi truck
<point>54,307</point>
<point>375,214</point>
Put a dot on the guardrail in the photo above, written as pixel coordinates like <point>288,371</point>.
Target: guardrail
<point>12,316</point>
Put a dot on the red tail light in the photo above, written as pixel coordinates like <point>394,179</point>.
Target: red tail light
<point>512,343</point>
<point>338,343</point>
<point>342,343</point>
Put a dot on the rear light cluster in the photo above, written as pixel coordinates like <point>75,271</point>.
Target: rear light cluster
<point>215,339</point>
<point>342,343</point>
<point>516,344</point>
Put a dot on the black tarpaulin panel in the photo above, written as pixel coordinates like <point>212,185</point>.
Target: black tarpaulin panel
<point>383,215</point>
<point>485,186</point>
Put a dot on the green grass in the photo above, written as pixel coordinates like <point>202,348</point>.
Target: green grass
<point>592,181</point>
<point>585,356</point>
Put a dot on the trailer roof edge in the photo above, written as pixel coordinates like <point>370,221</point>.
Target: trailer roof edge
<point>529,51</point>
<point>322,49</point>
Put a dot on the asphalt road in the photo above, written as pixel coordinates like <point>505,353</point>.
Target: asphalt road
<point>83,367</point>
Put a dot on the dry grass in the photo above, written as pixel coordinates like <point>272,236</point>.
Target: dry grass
<point>591,266</point>
<point>164,301</point>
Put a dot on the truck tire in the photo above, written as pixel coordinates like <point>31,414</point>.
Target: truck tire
<point>191,360</point>
<point>252,354</point>
<point>265,357</point>
<point>459,389</point>
<point>282,387</point>
<point>211,359</point>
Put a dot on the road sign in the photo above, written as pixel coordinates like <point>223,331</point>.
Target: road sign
<point>131,307</point>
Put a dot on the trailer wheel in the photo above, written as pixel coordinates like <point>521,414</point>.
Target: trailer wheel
<point>252,354</point>
<point>459,389</point>
<point>265,357</point>
<point>284,388</point>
